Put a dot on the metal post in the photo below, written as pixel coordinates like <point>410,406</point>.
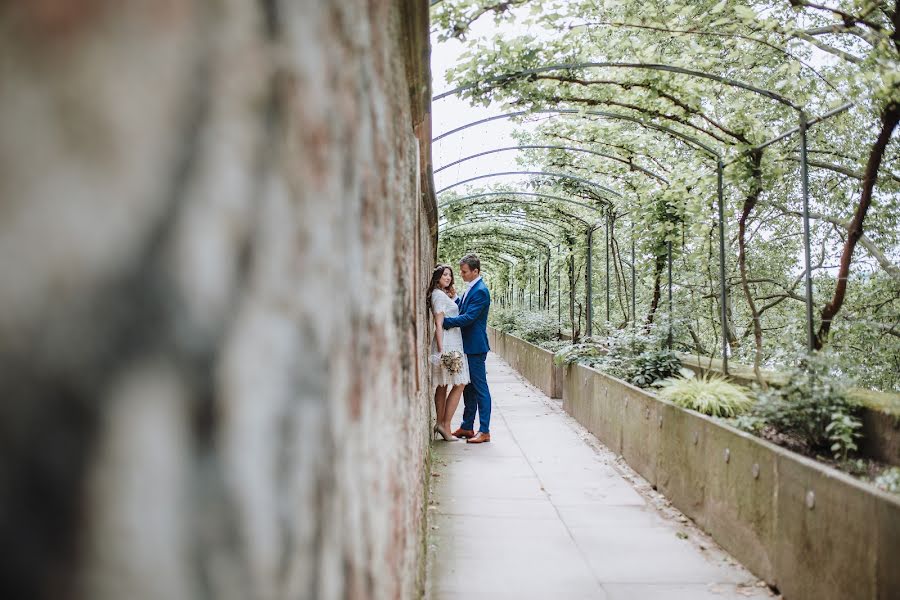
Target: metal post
<point>804,181</point>
<point>540,290</point>
<point>559,287</point>
<point>530,286</point>
<point>669,260</point>
<point>588,283</point>
<point>547,280</point>
<point>607,264</point>
<point>633,281</point>
<point>723,291</point>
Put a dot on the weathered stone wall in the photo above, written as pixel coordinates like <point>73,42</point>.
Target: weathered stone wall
<point>216,221</point>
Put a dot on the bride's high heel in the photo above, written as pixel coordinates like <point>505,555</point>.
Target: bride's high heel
<point>438,430</point>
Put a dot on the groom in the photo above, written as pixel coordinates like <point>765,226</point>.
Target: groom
<point>472,320</point>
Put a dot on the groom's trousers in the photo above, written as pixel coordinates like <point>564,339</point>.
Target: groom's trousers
<point>476,395</point>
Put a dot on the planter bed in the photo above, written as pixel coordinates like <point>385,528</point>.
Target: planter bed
<point>533,362</point>
<point>809,530</point>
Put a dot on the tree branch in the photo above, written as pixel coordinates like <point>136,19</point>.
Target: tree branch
<point>889,119</point>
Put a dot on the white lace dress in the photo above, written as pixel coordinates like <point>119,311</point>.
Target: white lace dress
<point>441,303</point>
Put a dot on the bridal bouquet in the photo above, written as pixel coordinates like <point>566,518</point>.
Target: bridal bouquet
<point>452,361</point>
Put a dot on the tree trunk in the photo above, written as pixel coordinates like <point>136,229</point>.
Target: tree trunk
<point>658,268</point>
<point>889,119</point>
<point>749,204</point>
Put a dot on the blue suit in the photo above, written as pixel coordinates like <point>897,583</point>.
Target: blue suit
<point>472,321</point>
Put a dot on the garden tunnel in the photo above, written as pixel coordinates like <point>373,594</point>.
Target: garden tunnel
<point>682,186</point>
<point>691,141</point>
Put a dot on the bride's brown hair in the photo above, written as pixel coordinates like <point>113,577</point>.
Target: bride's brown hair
<point>435,282</point>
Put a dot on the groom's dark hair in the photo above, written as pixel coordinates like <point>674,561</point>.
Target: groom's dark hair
<point>472,261</point>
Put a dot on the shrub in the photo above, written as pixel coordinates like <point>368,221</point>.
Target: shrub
<point>503,319</point>
<point>889,480</point>
<point>554,345</point>
<point>652,366</point>
<point>586,353</point>
<point>535,327</point>
<point>813,405</point>
<point>711,395</point>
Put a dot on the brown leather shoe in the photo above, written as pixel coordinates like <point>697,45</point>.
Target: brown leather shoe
<point>463,433</point>
<point>479,438</point>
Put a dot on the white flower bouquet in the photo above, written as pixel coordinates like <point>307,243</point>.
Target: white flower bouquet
<point>452,361</point>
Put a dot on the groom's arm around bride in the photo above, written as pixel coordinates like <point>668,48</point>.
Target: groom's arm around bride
<point>477,303</point>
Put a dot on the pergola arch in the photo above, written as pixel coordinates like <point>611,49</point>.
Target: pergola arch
<point>539,173</point>
<point>532,219</point>
<point>529,194</point>
<point>499,79</point>
<point>626,162</point>
<point>542,234</point>
<point>685,138</point>
<point>643,115</point>
<point>563,216</point>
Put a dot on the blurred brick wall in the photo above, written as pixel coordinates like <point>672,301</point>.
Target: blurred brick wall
<point>216,224</point>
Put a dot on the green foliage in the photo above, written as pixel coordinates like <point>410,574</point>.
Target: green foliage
<point>554,345</point>
<point>535,327</point>
<point>889,480</point>
<point>667,188</point>
<point>651,366</point>
<point>843,432</point>
<point>711,395</point>
<point>585,353</point>
<point>503,319</point>
<point>813,405</point>
<point>632,356</point>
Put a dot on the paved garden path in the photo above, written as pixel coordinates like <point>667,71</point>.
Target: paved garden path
<point>546,512</point>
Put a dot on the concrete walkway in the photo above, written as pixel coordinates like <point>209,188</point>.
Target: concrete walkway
<point>545,512</point>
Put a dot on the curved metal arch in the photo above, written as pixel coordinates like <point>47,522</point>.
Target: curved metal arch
<point>536,232</point>
<point>506,236</point>
<point>483,248</point>
<point>532,220</point>
<point>688,139</point>
<point>530,194</point>
<point>619,65</point>
<point>539,173</point>
<point>551,147</point>
<point>535,204</point>
<point>497,246</point>
<point>561,219</point>
<point>514,225</point>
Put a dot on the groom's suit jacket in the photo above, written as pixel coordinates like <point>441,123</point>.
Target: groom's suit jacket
<point>472,319</point>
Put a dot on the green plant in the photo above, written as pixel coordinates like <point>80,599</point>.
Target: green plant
<point>585,353</point>
<point>889,480</point>
<point>535,327</point>
<point>652,366</point>
<point>842,432</point>
<point>503,319</point>
<point>813,405</point>
<point>554,345</point>
<point>749,422</point>
<point>711,395</point>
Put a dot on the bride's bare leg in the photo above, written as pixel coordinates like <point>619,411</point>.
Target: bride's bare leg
<point>451,404</point>
<point>440,403</point>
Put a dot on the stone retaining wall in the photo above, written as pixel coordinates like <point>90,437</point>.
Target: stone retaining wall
<point>216,226</point>
<point>881,427</point>
<point>533,362</point>
<point>811,531</point>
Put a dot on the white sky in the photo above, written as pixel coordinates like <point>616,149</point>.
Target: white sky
<point>452,112</point>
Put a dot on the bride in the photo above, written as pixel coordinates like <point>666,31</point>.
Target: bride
<point>450,385</point>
